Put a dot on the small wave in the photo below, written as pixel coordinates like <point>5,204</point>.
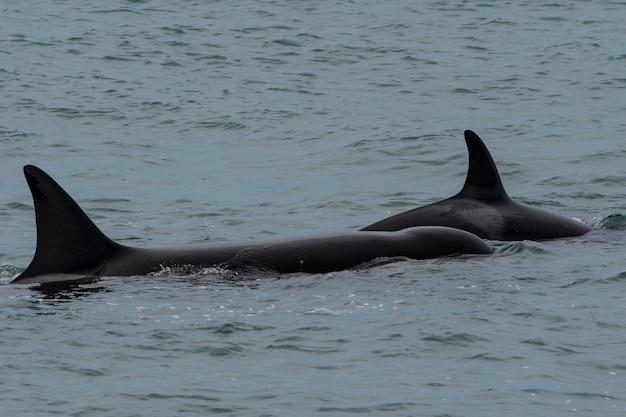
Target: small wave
<point>576,282</point>
<point>525,246</point>
<point>231,328</point>
<point>7,273</point>
<point>456,339</point>
<point>122,10</point>
<point>225,125</point>
<point>612,222</point>
<point>116,58</point>
<point>323,311</point>
<point>393,407</point>
<point>19,206</point>
<point>12,135</point>
<point>613,279</point>
<point>486,357</point>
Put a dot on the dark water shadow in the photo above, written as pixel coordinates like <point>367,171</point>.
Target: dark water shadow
<point>64,291</point>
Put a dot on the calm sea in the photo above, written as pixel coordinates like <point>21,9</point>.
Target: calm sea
<point>177,122</point>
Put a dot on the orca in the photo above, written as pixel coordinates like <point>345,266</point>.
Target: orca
<point>71,248</point>
<point>484,208</point>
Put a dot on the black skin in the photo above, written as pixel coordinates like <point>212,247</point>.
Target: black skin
<point>70,247</point>
<point>484,208</point>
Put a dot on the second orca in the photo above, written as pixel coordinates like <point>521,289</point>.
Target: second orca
<point>484,208</point>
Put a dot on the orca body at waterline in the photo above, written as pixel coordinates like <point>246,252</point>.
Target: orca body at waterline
<point>484,208</point>
<point>71,248</point>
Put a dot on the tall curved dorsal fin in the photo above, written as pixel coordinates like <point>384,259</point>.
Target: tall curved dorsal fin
<point>68,242</point>
<point>483,181</point>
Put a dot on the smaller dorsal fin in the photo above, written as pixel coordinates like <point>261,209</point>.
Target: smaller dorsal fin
<point>483,181</point>
<point>68,242</point>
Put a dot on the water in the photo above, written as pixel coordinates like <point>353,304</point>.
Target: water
<point>183,122</point>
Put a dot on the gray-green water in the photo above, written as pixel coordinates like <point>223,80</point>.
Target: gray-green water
<point>182,122</point>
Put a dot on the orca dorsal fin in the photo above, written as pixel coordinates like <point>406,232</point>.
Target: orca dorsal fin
<point>483,181</point>
<point>68,242</point>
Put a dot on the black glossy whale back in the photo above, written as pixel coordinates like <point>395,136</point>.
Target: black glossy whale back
<point>484,208</point>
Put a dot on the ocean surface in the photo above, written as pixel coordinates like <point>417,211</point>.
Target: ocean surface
<point>181,122</point>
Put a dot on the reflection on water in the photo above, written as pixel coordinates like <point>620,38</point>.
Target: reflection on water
<point>64,291</point>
